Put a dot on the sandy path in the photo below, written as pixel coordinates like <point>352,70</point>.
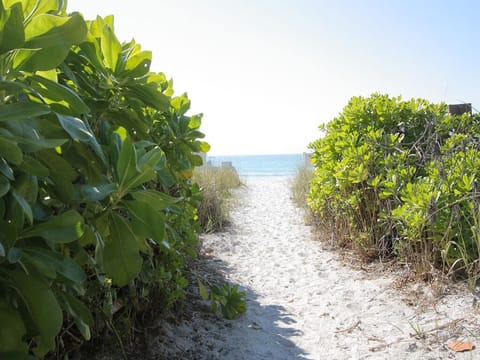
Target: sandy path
<point>303,303</point>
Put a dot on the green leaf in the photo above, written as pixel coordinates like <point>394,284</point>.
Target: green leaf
<point>63,228</point>
<point>27,210</point>
<point>121,258</point>
<point>22,110</point>
<point>14,255</point>
<point>8,235</point>
<point>32,8</point>
<point>5,169</point>
<point>127,163</point>
<point>59,262</point>
<point>150,95</point>
<point>41,306</point>
<point>60,97</point>
<point>146,174</point>
<point>61,173</point>
<point>13,331</point>
<point>95,192</point>
<point>155,199</point>
<point>139,64</point>
<point>203,290</point>
<point>111,48</point>
<point>12,35</point>
<point>151,158</point>
<point>204,147</point>
<point>27,187</point>
<point>33,167</point>
<point>10,151</point>
<point>146,221</point>
<point>4,185</point>
<point>77,129</point>
<point>51,37</point>
<point>80,313</point>
<point>34,145</point>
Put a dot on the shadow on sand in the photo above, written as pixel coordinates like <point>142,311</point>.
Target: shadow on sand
<point>263,332</point>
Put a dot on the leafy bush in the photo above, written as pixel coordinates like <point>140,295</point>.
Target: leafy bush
<point>228,298</point>
<point>399,177</point>
<point>97,207</point>
<point>216,184</point>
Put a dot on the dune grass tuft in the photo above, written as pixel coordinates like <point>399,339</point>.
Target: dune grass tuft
<point>300,185</point>
<point>217,184</point>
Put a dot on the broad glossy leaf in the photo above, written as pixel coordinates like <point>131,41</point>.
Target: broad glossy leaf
<point>151,158</point>
<point>14,255</point>
<point>204,147</point>
<point>53,36</point>
<point>27,187</point>
<point>12,35</point>
<point>34,7</point>
<point>155,199</point>
<point>127,163</point>
<point>47,30</point>
<point>8,235</point>
<point>27,210</point>
<point>111,48</point>
<point>60,97</point>
<point>121,258</point>
<point>77,129</point>
<point>13,331</point>
<point>146,221</point>
<point>41,306</point>
<point>34,145</point>
<point>22,110</point>
<point>138,65</point>
<point>60,263</point>
<point>5,169</point>
<point>80,313</point>
<point>63,228</point>
<point>4,185</point>
<point>61,173</point>
<point>95,192</point>
<point>10,151</point>
<point>33,167</point>
<point>150,95</point>
<point>181,104</point>
<point>146,174</point>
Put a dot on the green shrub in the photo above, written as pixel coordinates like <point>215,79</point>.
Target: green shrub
<point>97,207</point>
<point>216,184</point>
<point>398,178</point>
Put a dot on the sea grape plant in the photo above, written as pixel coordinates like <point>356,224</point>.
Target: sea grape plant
<point>399,178</point>
<point>97,209</point>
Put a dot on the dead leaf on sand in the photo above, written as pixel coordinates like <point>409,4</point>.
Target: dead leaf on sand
<point>460,346</point>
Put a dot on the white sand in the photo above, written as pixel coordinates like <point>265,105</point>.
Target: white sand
<point>304,303</point>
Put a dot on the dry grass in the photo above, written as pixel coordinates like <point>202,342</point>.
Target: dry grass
<point>300,185</point>
<point>217,184</point>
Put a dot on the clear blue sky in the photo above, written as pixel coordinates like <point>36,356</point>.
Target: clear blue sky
<point>266,73</point>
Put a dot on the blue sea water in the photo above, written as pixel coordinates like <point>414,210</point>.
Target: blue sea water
<point>261,165</point>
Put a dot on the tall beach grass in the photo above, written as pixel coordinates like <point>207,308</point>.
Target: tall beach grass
<point>217,184</point>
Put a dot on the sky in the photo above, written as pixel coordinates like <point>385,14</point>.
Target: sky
<point>267,73</point>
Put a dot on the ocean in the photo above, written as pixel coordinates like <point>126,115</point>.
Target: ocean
<point>261,165</point>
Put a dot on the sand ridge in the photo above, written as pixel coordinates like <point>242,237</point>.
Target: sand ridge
<point>304,303</point>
